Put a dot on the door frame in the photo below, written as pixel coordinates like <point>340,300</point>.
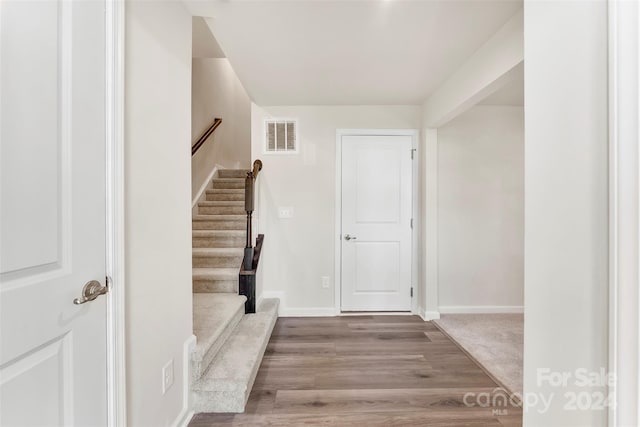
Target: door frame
<point>115,218</point>
<point>624,209</point>
<point>415,232</point>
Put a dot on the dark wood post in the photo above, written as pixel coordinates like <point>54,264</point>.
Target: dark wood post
<point>251,255</point>
<point>248,207</point>
<point>248,278</point>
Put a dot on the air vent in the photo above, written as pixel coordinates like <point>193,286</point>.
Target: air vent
<point>281,136</point>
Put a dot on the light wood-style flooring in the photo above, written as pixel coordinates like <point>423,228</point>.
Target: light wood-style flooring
<point>365,371</point>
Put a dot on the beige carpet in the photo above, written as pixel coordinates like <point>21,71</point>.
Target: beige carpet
<point>494,340</point>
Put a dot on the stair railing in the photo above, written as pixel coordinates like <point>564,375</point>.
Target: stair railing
<point>251,255</point>
<point>207,133</point>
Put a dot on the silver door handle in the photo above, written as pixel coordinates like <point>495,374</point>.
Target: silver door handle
<point>347,237</point>
<point>90,292</point>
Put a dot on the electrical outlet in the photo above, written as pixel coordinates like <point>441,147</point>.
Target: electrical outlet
<point>285,212</point>
<point>167,376</point>
<point>325,282</point>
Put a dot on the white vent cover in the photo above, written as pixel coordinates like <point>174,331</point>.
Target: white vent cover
<point>281,135</point>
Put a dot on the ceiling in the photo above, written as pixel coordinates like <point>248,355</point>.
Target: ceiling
<point>358,52</point>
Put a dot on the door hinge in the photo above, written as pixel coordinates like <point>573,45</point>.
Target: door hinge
<point>413,150</point>
<point>412,292</point>
<point>411,224</point>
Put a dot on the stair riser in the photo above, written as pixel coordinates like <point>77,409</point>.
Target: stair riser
<point>219,242</point>
<point>215,286</point>
<point>234,203</point>
<point>225,197</point>
<point>229,185</point>
<point>232,173</point>
<point>219,225</point>
<point>217,261</point>
<point>221,210</point>
<point>218,401</point>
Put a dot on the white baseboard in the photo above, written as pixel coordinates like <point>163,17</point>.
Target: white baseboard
<point>374,313</point>
<point>308,312</point>
<point>480,309</point>
<point>183,419</point>
<point>428,315</point>
<point>203,188</point>
<point>285,311</point>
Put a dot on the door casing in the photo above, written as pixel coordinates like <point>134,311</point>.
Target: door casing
<point>415,232</point>
<point>624,212</point>
<point>115,239</point>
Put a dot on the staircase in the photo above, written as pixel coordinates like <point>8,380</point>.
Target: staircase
<point>230,343</point>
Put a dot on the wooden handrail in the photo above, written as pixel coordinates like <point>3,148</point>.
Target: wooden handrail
<point>207,133</point>
<point>257,167</point>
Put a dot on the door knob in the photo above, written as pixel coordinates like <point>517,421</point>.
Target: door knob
<point>347,237</point>
<point>91,291</point>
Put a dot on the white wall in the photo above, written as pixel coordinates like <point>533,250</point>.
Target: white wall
<point>157,207</point>
<point>298,251</point>
<point>481,210</point>
<point>217,92</point>
<point>566,225</point>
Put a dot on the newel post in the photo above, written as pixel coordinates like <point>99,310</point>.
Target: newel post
<point>248,207</point>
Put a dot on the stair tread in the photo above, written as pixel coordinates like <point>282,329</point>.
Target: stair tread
<point>215,273</point>
<point>221,203</point>
<point>236,364</point>
<point>215,317</point>
<point>219,217</point>
<point>233,170</point>
<point>218,251</point>
<point>225,191</point>
<point>242,174</point>
<point>229,179</point>
<point>211,315</point>
<point>206,233</point>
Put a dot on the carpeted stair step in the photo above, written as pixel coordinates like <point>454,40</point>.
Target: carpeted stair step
<point>219,222</point>
<point>217,257</point>
<point>232,173</point>
<point>221,208</point>
<point>215,280</point>
<point>215,317</point>
<point>225,194</point>
<point>219,238</point>
<point>228,183</point>
<point>226,384</point>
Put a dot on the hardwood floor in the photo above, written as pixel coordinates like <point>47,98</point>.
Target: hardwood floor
<point>368,371</point>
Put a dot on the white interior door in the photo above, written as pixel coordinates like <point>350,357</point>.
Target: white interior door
<point>376,223</point>
<point>53,356</point>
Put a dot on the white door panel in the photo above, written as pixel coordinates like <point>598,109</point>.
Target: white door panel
<point>376,217</point>
<point>52,204</point>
